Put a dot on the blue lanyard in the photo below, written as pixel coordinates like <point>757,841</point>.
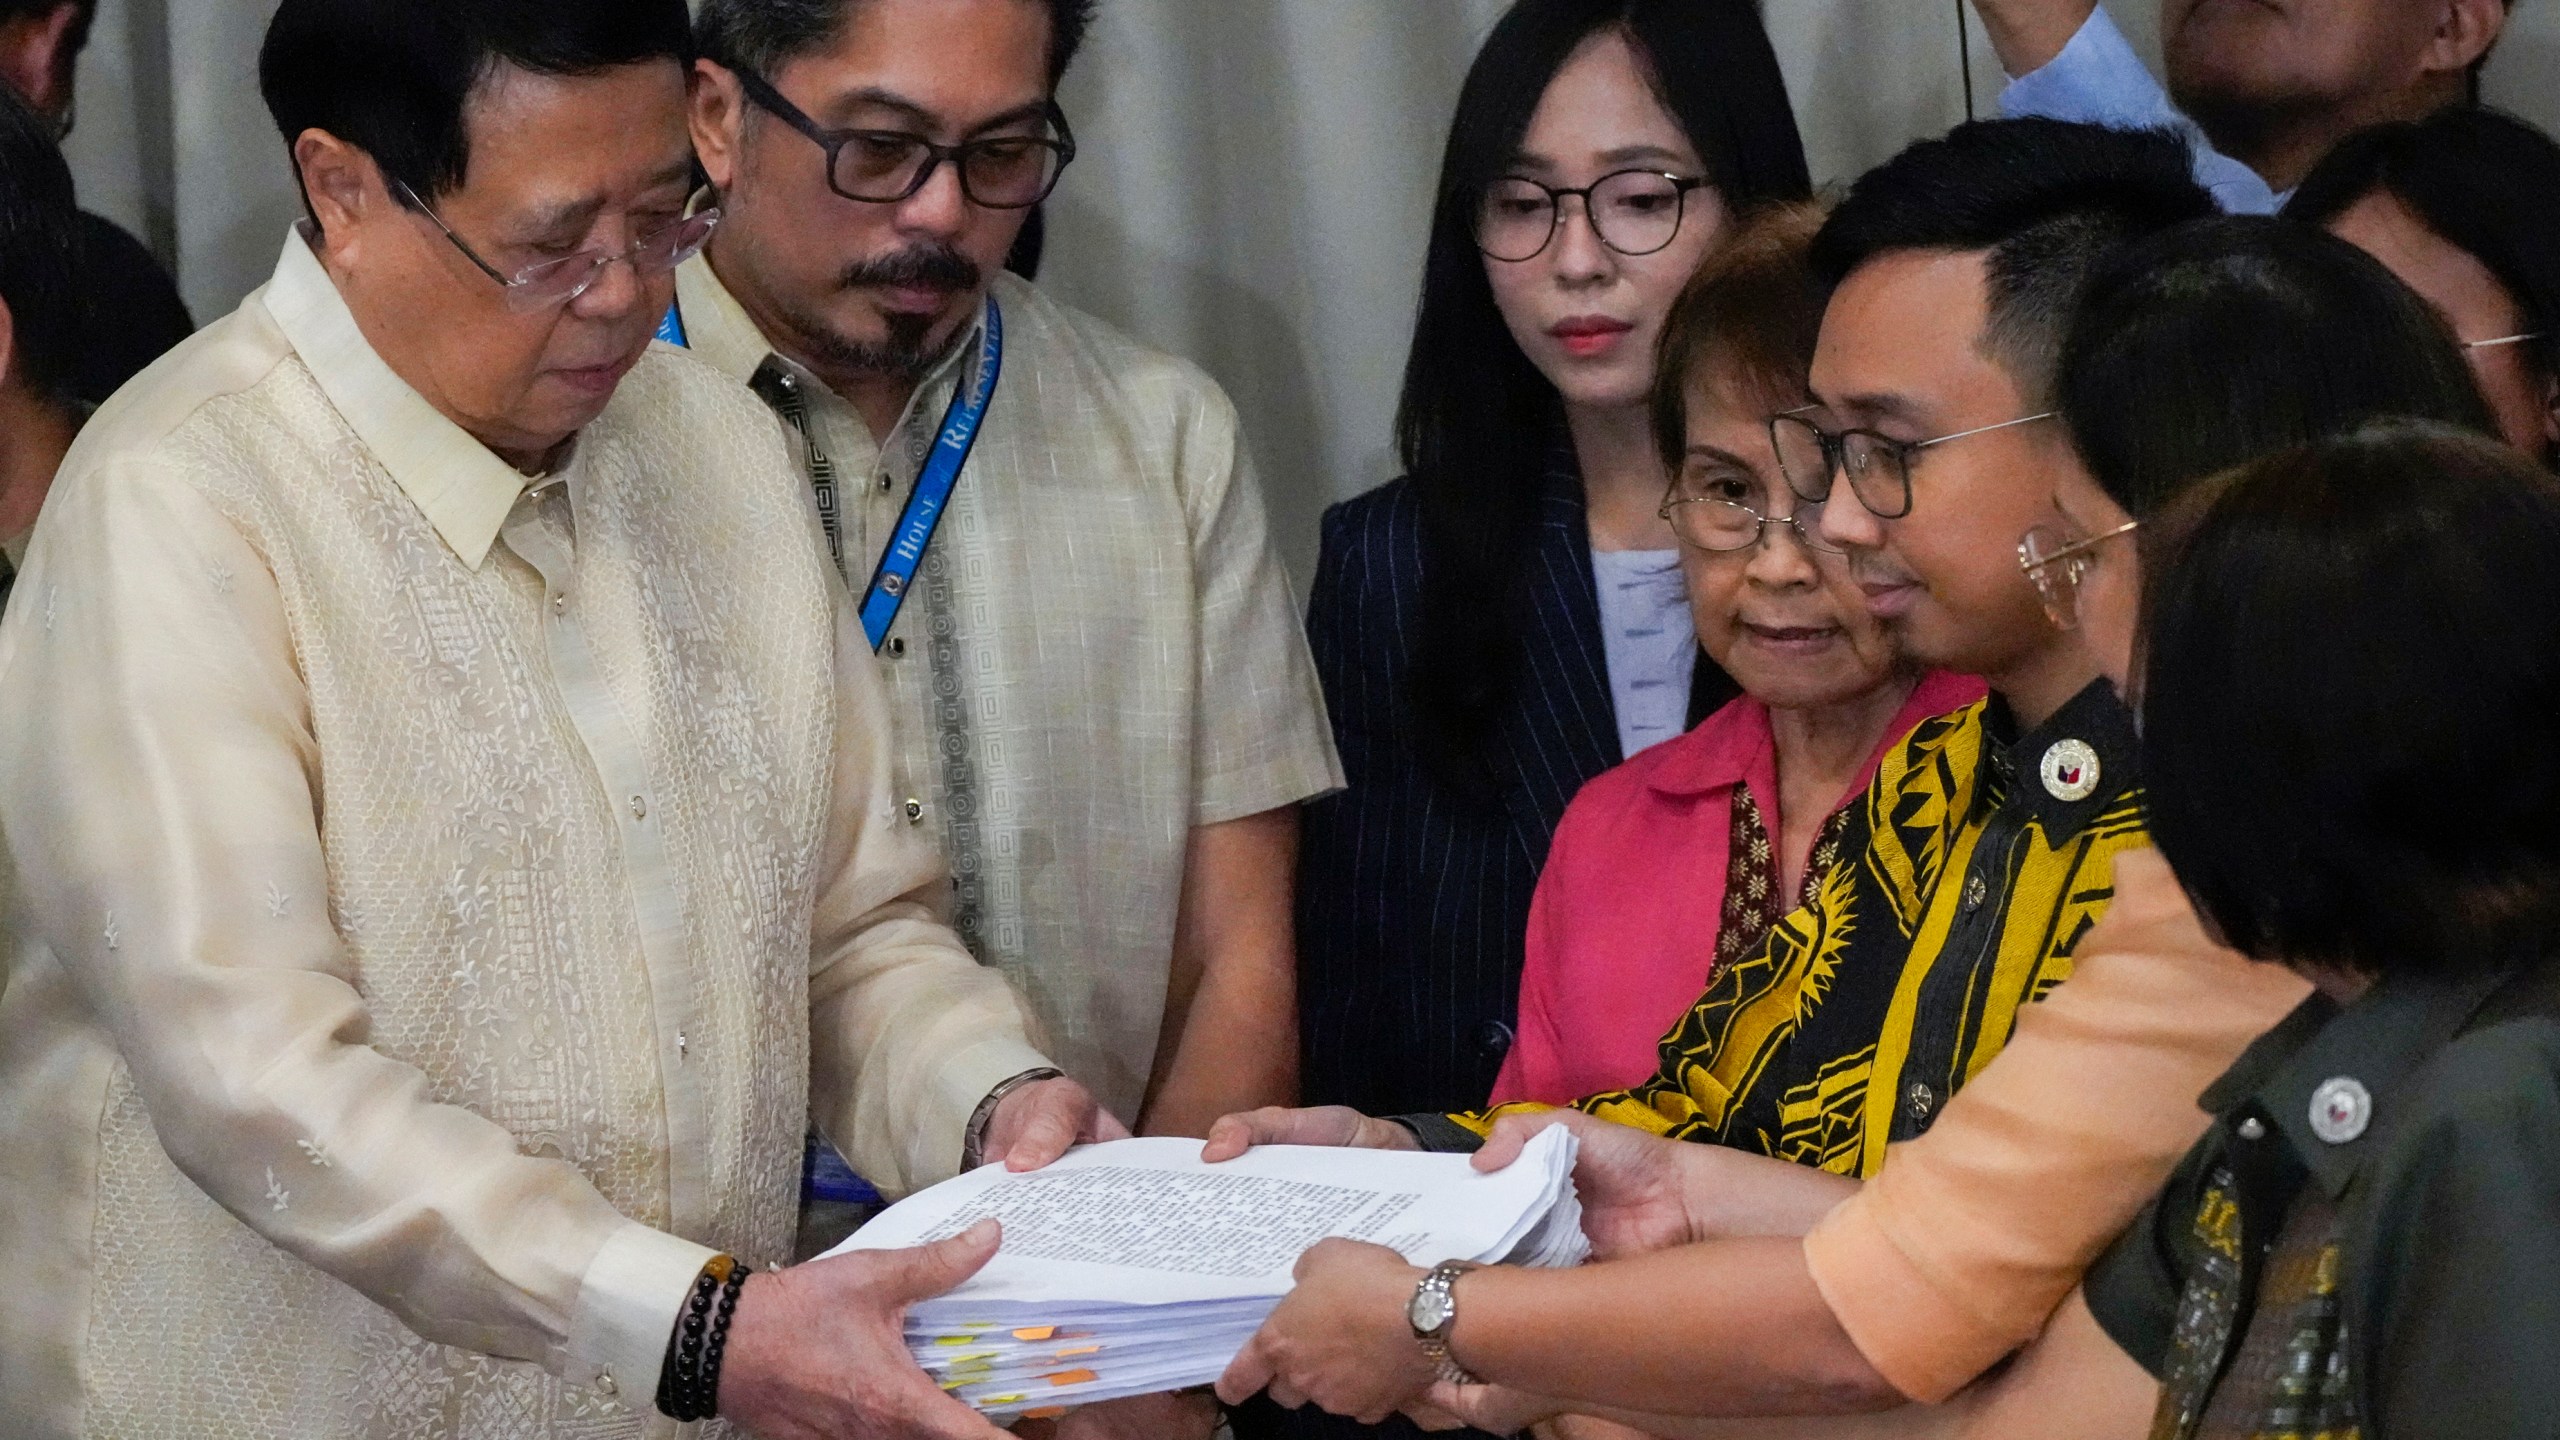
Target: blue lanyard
<point>887,592</point>
<point>889,584</point>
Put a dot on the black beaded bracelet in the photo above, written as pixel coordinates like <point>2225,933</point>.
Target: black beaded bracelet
<point>689,1377</point>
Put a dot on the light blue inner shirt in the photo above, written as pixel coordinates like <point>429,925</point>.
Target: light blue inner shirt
<point>2099,79</point>
<point>1650,642</point>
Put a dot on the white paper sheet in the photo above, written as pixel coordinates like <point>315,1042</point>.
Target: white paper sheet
<point>1132,1267</point>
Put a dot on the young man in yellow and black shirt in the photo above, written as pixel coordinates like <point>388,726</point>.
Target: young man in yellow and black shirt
<point>1985,847</point>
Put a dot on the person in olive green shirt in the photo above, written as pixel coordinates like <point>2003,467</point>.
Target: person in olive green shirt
<point>2369,1239</point>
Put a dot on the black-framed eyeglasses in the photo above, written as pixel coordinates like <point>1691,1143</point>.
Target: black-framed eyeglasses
<point>557,282</point>
<point>2056,564</point>
<point>883,167</point>
<point>1634,212</point>
<point>1722,527</point>
<point>1878,466</point>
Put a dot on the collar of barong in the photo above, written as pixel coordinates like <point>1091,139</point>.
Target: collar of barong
<point>460,485</point>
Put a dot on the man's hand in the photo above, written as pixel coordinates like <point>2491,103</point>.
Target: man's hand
<point>1340,1338</point>
<point>1337,1125</point>
<point>816,1351</point>
<point>1642,1193</point>
<point>1182,1415</point>
<point>1043,1120</point>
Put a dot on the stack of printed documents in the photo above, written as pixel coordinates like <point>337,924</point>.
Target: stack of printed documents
<point>1131,1267</point>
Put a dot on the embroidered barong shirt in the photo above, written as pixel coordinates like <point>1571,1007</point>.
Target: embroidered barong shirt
<point>437,904</point>
<point>1099,654</point>
<point>1971,870</point>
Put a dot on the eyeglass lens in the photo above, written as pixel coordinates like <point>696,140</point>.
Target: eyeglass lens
<point>657,252</point>
<point>2057,581</point>
<point>1007,173</point>
<point>1723,526</point>
<point>1634,212</point>
<point>1810,456</point>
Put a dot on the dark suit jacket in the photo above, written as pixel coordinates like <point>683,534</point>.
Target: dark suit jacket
<point>1413,904</point>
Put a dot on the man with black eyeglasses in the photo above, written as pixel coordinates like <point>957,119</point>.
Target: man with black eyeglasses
<point>1984,849</point>
<point>1103,707</point>
<point>451,861</point>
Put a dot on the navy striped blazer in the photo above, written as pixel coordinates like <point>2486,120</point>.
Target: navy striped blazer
<point>1412,906</point>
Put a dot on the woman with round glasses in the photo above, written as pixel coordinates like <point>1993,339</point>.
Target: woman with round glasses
<point>1509,619</point>
<point>1677,862</point>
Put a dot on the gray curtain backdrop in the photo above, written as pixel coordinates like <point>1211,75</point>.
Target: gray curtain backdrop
<point>1252,192</point>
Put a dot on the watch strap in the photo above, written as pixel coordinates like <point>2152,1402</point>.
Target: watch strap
<point>1441,1281</point>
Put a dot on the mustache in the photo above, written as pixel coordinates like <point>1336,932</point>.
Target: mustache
<point>928,266</point>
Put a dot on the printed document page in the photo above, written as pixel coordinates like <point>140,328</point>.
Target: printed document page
<point>1145,1222</point>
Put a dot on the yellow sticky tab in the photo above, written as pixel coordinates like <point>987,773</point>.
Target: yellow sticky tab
<point>1036,1332</point>
<point>948,1340</point>
<point>1072,1377</point>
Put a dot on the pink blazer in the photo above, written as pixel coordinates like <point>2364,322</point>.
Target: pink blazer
<point>1623,927</point>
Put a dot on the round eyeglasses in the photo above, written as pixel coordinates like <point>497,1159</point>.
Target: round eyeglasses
<point>2056,564</point>
<point>1878,466</point>
<point>1634,212</point>
<point>558,282</point>
<point>1722,527</point>
<point>883,167</point>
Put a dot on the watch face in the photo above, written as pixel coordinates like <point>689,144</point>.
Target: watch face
<point>1429,1309</point>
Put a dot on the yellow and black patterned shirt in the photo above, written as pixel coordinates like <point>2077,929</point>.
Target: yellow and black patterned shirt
<point>1969,872</point>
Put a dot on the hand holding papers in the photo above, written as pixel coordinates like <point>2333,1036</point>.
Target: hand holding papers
<point>1133,1267</point>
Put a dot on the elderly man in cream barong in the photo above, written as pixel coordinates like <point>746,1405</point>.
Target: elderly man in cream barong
<point>448,859</point>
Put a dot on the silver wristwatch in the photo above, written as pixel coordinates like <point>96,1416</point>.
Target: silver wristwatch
<point>1433,1313</point>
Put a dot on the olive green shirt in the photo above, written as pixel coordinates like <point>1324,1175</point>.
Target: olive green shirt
<point>2440,1194</point>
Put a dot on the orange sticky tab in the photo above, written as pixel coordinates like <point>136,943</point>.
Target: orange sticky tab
<point>1036,1332</point>
<point>1072,1377</point>
<point>1050,1413</point>
<point>1079,1350</point>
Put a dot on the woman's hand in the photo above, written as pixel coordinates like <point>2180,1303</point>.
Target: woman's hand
<point>1642,1193</point>
<point>1634,1187</point>
<point>1498,1409</point>
<point>1340,1339</point>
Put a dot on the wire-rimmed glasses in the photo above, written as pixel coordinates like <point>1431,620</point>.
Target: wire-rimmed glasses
<point>1720,527</point>
<point>1634,212</point>
<point>558,282</point>
<point>1878,466</point>
<point>2056,564</point>
<point>883,167</point>
<point>2474,347</point>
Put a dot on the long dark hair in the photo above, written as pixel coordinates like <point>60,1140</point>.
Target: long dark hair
<point>1478,422</point>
